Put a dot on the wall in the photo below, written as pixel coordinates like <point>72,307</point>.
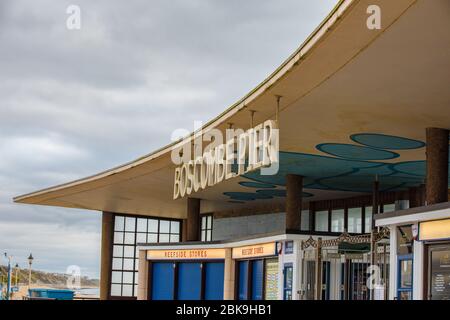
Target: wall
<point>235,227</point>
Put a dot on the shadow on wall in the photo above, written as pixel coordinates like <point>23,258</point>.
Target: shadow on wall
<point>238,227</point>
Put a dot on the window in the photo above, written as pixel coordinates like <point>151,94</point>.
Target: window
<point>354,220</point>
<point>321,221</point>
<point>406,273</point>
<point>206,227</point>
<point>128,232</point>
<point>389,207</point>
<point>305,220</point>
<point>289,247</point>
<point>337,220</point>
<point>368,219</point>
<point>405,240</point>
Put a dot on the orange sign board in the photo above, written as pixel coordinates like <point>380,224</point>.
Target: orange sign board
<point>186,254</point>
<point>254,251</point>
<point>434,230</point>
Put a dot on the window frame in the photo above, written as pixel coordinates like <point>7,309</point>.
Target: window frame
<point>122,231</point>
<point>206,229</point>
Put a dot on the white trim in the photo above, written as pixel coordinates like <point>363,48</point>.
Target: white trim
<point>203,245</point>
<point>418,267</point>
<point>393,263</point>
<point>414,218</point>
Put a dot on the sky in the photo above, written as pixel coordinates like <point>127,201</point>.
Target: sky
<point>74,102</point>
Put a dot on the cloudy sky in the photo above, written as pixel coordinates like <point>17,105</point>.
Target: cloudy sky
<point>75,102</point>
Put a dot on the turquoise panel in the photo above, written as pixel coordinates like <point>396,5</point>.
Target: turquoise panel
<point>382,141</point>
<point>256,185</point>
<point>349,167</point>
<point>354,152</point>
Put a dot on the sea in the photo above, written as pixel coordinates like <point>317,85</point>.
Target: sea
<point>94,292</point>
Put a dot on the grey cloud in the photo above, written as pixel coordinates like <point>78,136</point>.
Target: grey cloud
<point>77,102</point>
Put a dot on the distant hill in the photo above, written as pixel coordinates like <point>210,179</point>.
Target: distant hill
<point>55,280</point>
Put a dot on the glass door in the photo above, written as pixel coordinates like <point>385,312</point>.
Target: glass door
<point>405,277</point>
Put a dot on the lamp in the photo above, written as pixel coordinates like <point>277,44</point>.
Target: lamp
<point>30,262</point>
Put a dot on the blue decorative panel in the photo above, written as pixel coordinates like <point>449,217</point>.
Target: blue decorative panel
<point>162,281</point>
<point>343,167</point>
<point>243,280</point>
<point>214,277</point>
<point>257,185</point>
<point>257,279</point>
<point>383,141</point>
<point>354,152</point>
<point>246,196</point>
<point>189,281</point>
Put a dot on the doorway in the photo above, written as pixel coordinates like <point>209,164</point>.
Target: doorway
<point>405,277</point>
<point>439,272</point>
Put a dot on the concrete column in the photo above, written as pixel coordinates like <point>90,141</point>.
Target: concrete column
<point>437,165</point>
<point>143,276</point>
<point>106,255</point>
<point>229,276</point>
<point>294,190</point>
<point>193,219</point>
<point>418,276</point>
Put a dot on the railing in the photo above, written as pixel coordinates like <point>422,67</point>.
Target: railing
<point>85,298</point>
<point>36,298</point>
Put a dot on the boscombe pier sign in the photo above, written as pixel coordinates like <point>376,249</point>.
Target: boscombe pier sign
<point>242,152</point>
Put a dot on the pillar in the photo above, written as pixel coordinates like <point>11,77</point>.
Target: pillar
<point>106,254</point>
<point>143,274</point>
<point>294,190</point>
<point>229,276</point>
<point>393,262</point>
<point>375,201</point>
<point>318,270</point>
<point>193,220</point>
<point>437,165</point>
<point>418,275</point>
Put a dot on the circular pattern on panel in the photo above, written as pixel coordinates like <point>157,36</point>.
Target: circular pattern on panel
<point>354,152</point>
<point>256,185</point>
<point>342,167</point>
<point>382,141</point>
